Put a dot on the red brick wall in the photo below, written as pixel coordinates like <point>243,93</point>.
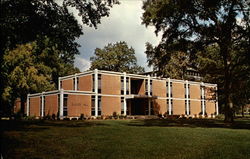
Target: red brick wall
<point>79,104</point>
<point>35,106</point>
<point>85,83</point>
<point>159,88</point>
<point>67,84</point>
<point>110,84</point>
<point>142,89</point>
<point>195,92</point>
<point>110,105</point>
<point>210,107</point>
<point>160,106</point>
<point>178,107</point>
<point>195,107</point>
<point>178,90</point>
<point>51,105</point>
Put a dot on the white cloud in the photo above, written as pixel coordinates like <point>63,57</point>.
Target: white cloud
<point>82,63</point>
<point>123,24</point>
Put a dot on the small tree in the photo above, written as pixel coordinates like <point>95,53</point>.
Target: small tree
<point>116,57</point>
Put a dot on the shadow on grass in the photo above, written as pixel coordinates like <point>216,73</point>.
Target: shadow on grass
<point>39,125</point>
<point>192,123</point>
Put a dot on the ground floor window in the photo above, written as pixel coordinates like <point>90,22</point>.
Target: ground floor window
<point>99,105</point>
<point>65,104</point>
<point>92,105</point>
<point>122,105</point>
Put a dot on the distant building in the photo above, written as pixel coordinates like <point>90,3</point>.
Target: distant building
<point>190,74</point>
<point>101,93</point>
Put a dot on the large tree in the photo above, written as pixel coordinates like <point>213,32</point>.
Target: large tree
<point>26,73</point>
<point>196,24</point>
<point>25,21</point>
<point>116,57</point>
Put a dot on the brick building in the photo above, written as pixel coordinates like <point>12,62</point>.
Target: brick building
<point>98,92</point>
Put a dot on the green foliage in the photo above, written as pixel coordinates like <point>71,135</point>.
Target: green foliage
<point>167,63</point>
<point>195,26</point>
<point>53,27</point>
<point>116,57</point>
<point>26,74</point>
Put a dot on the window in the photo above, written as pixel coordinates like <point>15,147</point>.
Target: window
<point>99,83</point>
<point>65,104</point>
<point>93,82</point>
<point>167,105</point>
<point>167,89</point>
<point>171,94</point>
<point>127,85</point>
<point>151,92</point>
<point>74,81</point>
<point>122,105</point>
<point>77,82</point>
<point>92,105</point>
<point>146,85</point>
<point>99,105</point>
<point>172,105</point>
<point>122,85</point>
<point>41,102</point>
<point>189,104</point>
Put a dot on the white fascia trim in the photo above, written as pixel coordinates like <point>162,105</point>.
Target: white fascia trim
<point>110,74</point>
<point>77,75</point>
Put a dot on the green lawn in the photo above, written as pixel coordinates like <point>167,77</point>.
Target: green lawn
<point>173,139</point>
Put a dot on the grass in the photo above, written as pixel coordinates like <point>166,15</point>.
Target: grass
<point>173,139</point>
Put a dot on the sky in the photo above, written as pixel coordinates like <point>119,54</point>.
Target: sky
<point>123,24</point>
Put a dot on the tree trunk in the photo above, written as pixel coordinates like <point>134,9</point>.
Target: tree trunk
<point>242,110</point>
<point>229,117</point>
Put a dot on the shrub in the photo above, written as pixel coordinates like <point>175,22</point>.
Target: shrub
<point>53,117</point>
<point>81,117</point>
<point>115,115</point>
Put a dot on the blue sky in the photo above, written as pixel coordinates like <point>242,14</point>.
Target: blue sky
<point>123,24</point>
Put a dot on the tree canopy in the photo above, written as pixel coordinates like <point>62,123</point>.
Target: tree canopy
<point>26,73</point>
<point>117,57</point>
<point>194,25</point>
<point>53,29</point>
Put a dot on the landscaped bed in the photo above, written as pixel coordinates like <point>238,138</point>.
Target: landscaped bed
<point>149,138</point>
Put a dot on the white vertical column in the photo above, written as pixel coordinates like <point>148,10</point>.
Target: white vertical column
<point>28,105</point>
<point>187,99</point>
<point>202,98</point>
<point>125,92</point>
<point>61,103</point>
<point>42,113</point>
<point>217,104</point>
<point>96,91</point>
<point>148,86</point>
<point>129,85</point>
<point>59,83</point>
<point>169,98</point>
<point>75,84</point>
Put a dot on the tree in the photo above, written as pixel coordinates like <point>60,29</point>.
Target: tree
<point>116,57</point>
<point>25,21</point>
<point>197,24</point>
<point>167,63</point>
<point>211,68</point>
<point>26,73</point>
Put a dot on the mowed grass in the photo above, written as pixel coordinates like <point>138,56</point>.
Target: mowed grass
<point>158,138</point>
